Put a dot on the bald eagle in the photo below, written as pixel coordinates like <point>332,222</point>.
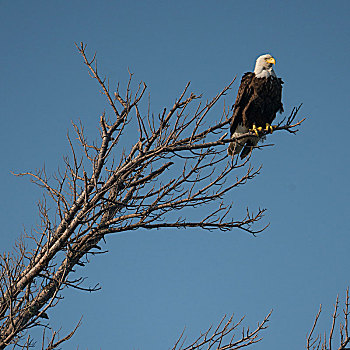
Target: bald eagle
<point>258,100</point>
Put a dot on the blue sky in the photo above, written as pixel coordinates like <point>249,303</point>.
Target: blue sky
<point>155,283</point>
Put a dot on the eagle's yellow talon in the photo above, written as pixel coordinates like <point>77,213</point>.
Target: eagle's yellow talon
<point>269,128</point>
<point>255,130</point>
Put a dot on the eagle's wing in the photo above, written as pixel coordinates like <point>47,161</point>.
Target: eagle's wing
<point>280,83</point>
<point>245,91</point>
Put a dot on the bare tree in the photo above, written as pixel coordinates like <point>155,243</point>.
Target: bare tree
<point>177,163</point>
<point>328,341</point>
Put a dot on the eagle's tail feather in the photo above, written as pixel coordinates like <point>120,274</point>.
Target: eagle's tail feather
<point>249,147</point>
<point>246,150</point>
<point>234,148</point>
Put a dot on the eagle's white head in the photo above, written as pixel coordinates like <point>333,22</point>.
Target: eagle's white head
<point>263,66</point>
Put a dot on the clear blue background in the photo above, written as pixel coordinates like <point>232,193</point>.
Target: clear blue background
<point>156,282</point>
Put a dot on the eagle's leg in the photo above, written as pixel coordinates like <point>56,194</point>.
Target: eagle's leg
<point>256,130</point>
<point>269,128</point>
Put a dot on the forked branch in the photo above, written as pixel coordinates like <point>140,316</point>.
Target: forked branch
<point>224,336</point>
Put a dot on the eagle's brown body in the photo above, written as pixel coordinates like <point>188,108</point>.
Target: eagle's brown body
<point>258,100</point>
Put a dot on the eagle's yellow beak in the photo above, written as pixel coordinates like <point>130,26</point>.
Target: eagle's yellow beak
<point>271,60</point>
